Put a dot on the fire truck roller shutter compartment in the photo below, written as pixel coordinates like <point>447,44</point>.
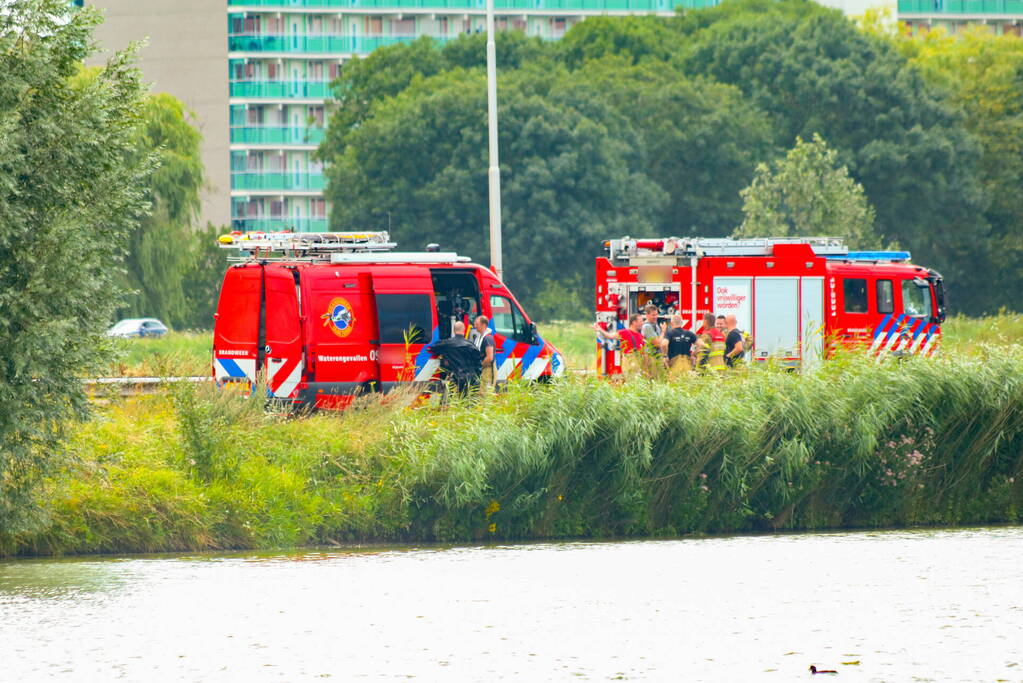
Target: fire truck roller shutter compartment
<point>733,296</point>
<point>406,311</point>
<point>282,348</point>
<point>811,296</point>
<point>776,322</point>
<point>236,331</point>
<point>342,329</point>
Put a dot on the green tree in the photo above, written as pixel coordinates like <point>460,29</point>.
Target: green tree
<point>71,188</point>
<point>162,250</point>
<point>700,141</point>
<point>984,76</point>
<point>807,194</point>
<point>570,172</point>
<point>898,135</point>
<point>635,38</point>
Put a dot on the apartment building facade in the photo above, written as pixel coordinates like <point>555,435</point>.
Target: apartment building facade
<point>283,54</point>
<point>1003,17</point>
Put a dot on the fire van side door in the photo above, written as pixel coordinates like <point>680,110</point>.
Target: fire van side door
<point>342,331</point>
<point>284,362</point>
<point>407,315</point>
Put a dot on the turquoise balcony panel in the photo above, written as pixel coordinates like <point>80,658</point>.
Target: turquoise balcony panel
<point>551,5</point>
<point>279,224</point>
<point>312,44</point>
<point>274,135</point>
<point>960,7</point>
<point>282,182</point>
<point>281,89</point>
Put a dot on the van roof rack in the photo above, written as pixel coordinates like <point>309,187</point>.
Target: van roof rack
<point>303,245</point>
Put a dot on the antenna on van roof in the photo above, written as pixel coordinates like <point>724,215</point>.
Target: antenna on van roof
<point>302,244</point>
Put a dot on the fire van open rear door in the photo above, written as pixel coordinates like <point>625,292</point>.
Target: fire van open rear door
<point>236,330</point>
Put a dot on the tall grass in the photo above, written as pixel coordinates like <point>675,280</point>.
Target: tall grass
<point>859,444</point>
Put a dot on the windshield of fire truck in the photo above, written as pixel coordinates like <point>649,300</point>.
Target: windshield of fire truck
<point>916,298</point>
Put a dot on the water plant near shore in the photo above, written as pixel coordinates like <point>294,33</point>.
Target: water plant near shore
<point>858,444</point>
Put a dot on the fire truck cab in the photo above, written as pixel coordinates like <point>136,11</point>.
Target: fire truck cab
<point>321,317</point>
<point>798,298</point>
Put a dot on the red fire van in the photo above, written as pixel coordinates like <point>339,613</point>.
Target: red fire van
<point>321,317</point>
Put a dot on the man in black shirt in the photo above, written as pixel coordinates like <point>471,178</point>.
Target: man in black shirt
<point>678,344</point>
<point>459,359</point>
<point>733,342</point>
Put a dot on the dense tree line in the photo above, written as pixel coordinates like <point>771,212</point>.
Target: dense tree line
<point>645,126</point>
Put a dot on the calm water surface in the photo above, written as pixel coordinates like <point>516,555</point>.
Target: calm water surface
<point>893,606</point>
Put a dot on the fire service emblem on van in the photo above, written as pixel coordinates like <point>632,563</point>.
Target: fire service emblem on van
<point>339,317</point>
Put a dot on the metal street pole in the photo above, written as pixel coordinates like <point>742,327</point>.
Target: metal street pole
<point>494,172</point>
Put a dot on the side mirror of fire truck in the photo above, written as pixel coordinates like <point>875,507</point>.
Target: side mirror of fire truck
<point>534,336</point>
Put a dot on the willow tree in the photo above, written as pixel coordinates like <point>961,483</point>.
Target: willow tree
<point>71,188</point>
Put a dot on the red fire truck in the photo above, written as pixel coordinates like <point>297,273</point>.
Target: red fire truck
<point>794,296</point>
<point>321,317</point>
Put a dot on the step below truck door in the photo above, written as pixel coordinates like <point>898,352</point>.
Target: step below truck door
<point>342,328</point>
<point>284,363</point>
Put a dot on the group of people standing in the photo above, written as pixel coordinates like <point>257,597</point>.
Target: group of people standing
<point>645,342</point>
<point>467,362</point>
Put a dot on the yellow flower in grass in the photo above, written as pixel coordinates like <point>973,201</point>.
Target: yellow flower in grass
<point>492,528</point>
<point>492,508</point>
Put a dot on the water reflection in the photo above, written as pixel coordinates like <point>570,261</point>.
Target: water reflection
<point>878,606</point>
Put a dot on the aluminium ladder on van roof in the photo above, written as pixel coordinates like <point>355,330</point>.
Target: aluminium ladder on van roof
<point>721,246</point>
<point>327,247</point>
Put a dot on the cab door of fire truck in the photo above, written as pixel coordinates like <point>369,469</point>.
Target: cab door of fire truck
<point>517,346</point>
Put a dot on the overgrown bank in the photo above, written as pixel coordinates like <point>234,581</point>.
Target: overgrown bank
<point>860,444</point>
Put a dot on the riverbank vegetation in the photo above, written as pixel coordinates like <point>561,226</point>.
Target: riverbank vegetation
<point>859,444</point>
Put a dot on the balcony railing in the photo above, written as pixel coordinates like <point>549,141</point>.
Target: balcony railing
<point>278,224</point>
<point>274,135</point>
<point>960,6</point>
<point>258,88</point>
<point>246,180</point>
<point>541,5</point>
<point>327,44</point>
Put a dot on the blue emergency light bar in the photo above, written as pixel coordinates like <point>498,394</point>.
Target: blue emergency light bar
<point>872,256</point>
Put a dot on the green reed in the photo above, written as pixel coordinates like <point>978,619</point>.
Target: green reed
<point>856,444</point>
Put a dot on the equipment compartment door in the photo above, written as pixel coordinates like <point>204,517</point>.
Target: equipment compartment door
<point>284,363</point>
<point>776,322</point>
<point>812,298</point>
<point>343,332</point>
<point>733,295</point>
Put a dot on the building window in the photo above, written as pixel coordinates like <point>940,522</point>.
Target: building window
<point>404,27</point>
<point>318,207</point>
